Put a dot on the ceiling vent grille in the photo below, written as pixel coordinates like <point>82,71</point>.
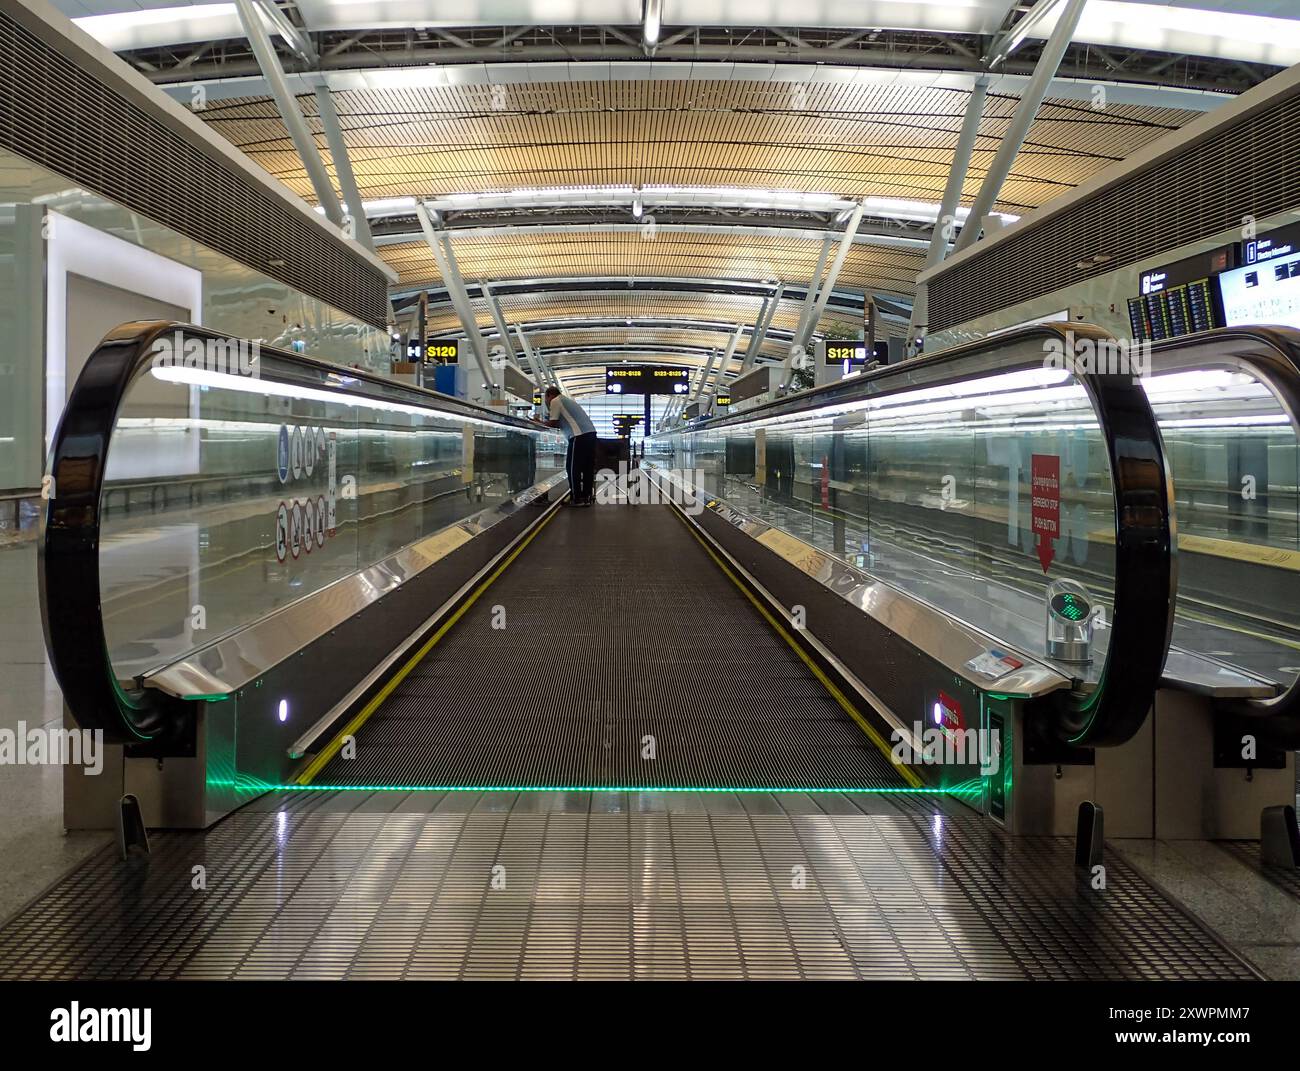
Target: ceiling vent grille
<point>62,118</point>
<point>1249,167</point>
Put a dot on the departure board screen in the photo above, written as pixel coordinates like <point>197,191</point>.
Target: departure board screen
<point>645,379</point>
<point>1172,311</point>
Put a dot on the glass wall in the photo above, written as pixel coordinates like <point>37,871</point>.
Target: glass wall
<point>1234,455</point>
<point>602,408</point>
<point>236,300</point>
<point>277,487</point>
<point>969,495</point>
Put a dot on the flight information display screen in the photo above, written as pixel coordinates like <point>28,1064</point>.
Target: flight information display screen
<point>645,379</point>
<point>1180,298</point>
<point>1171,311</point>
<point>1265,290</point>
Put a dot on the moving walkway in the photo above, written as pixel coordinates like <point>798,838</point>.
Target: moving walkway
<point>393,620</point>
<point>889,529</point>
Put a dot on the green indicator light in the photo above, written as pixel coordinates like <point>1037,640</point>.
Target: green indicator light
<point>1070,606</point>
<point>972,788</point>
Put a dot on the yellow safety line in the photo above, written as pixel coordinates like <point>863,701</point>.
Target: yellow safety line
<point>909,775</point>
<point>321,759</point>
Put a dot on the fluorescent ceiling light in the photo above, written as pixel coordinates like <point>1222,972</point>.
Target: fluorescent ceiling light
<point>153,27</point>
<point>1192,31</point>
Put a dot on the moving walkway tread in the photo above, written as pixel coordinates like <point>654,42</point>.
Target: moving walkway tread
<point>615,632</point>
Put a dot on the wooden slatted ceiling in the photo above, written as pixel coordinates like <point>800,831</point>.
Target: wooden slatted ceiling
<point>632,337</point>
<point>618,305</point>
<point>849,140</point>
<point>852,140</point>
<point>554,310</point>
<point>704,256</point>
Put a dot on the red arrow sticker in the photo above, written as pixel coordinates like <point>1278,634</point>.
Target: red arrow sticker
<point>1045,508</point>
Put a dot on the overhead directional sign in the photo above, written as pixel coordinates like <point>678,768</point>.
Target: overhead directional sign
<point>646,379</point>
<point>442,351</point>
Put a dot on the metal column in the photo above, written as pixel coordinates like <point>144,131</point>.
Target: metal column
<point>945,223</point>
<point>810,299</point>
<point>543,375</point>
<point>255,31</point>
<point>338,147</point>
<point>823,299</point>
<point>765,316</point>
<point>704,375</point>
<point>1021,121</point>
<point>456,291</point>
<point>494,307</point>
<point>726,359</point>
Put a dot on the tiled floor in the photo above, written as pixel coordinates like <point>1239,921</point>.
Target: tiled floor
<point>1251,913</point>
<point>34,851</point>
<point>418,885</point>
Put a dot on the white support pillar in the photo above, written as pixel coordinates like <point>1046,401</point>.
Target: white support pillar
<point>945,224</point>
<point>761,327</point>
<point>823,299</point>
<point>255,30</point>
<point>704,375</point>
<point>543,375</point>
<point>721,370</point>
<point>494,307</point>
<point>810,299</point>
<point>456,291</point>
<point>338,146</point>
<point>1021,121</point>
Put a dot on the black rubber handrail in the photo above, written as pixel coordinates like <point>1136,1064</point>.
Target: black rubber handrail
<point>68,568</point>
<point>1145,578</point>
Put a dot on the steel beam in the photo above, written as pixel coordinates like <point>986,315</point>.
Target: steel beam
<point>721,370</point>
<point>273,73</point>
<point>356,211</point>
<point>809,300</point>
<point>1012,38</point>
<point>494,307</point>
<point>704,375</point>
<point>945,225</point>
<point>761,327</point>
<point>1021,121</point>
<point>456,291</point>
<point>297,40</point>
<point>832,276</point>
<point>543,374</point>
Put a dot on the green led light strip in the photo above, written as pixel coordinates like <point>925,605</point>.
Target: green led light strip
<point>966,788</point>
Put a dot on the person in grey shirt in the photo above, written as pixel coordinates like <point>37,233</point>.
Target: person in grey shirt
<point>580,461</point>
